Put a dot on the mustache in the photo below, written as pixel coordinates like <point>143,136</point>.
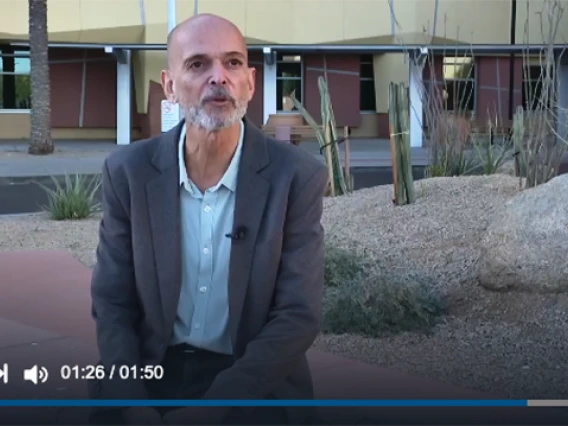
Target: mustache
<point>217,93</point>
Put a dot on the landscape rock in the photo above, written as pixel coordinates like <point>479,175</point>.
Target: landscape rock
<point>525,246</point>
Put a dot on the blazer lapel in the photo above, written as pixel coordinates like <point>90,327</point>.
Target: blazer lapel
<point>250,202</point>
<point>164,212</point>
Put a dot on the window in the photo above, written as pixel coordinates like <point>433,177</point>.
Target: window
<point>289,78</point>
<point>15,86</point>
<point>367,100</point>
<point>533,78</point>
<point>459,84</point>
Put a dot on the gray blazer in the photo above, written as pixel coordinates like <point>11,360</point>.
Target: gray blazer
<point>276,272</point>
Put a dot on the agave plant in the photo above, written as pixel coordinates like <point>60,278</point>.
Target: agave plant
<point>73,199</point>
<point>327,137</point>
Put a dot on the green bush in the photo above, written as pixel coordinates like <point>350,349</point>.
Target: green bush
<point>492,156</point>
<point>342,266</point>
<point>373,302</point>
<point>73,199</point>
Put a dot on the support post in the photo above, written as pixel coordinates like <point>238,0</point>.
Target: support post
<point>123,97</point>
<point>172,19</point>
<point>562,108</point>
<point>415,86</point>
<point>269,85</point>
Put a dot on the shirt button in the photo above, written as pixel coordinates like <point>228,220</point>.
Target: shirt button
<point>197,325</point>
<point>205,250</point>
<point>207,209</point>
<point>202,289</point>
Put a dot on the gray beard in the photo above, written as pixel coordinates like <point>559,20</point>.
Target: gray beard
<point>198,117</point>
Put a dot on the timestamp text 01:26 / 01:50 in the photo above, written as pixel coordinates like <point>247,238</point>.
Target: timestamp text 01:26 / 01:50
<point>99,372</point>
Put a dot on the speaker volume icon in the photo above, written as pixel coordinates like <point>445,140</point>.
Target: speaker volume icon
<point>4,373</point>
<point>36,374</point>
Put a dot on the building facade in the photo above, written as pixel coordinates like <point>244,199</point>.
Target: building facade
<point>106,57</point>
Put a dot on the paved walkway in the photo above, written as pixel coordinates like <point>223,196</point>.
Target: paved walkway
<point>45,320</point>
<point>86,157</point>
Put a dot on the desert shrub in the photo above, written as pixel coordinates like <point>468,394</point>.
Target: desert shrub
<point>342,266</point>
<point>434,170</point>
<point>365,299</point>
<point>492,151</point>
<point>74,199</point>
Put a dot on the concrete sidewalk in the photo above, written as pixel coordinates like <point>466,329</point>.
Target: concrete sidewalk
<point>70,157</point>
<point>86,157</point>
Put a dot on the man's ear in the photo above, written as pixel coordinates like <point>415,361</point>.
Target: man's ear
<point>168,86</point>
<point>252,82</point>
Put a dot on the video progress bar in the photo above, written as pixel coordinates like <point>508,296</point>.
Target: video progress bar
<point>547,402</point>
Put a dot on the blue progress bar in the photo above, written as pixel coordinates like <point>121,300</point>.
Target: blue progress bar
<point>263,403</point>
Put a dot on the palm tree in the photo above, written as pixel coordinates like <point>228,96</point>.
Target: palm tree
<point>40,140</point>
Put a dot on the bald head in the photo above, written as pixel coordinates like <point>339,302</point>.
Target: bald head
<point>203,26</point>
<point>208,72</point>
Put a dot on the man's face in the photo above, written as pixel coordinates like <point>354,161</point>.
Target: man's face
<point>209,75</point>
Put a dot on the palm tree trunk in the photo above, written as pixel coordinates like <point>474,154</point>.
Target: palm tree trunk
<point>40,141</point>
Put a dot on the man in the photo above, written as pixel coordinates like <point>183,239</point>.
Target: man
<point>210,260</point>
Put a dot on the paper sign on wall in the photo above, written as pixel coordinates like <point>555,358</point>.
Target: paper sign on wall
<point>170,115</point>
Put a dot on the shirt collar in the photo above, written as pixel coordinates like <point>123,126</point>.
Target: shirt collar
<point>229,179</point>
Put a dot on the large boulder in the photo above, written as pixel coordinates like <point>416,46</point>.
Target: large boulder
<point>525,247</point>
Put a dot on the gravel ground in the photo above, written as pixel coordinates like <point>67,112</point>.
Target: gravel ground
<point>36,232</point>
<point>510,345</point>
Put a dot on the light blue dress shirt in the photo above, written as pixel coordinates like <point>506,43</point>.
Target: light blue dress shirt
<point>206,218</point>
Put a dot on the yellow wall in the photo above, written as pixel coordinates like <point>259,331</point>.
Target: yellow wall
<point>367,129</point>
<point>468,21</point>
<point>529,10</point>
<point>14,125</point>
<point>388,68</point>
<point>282,21</point>
<point>18,126</point>
<point>294,21</point>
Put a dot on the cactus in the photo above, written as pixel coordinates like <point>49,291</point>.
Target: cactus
<point>518,136</point>
<point>399,116</point>
<point>327,137</point>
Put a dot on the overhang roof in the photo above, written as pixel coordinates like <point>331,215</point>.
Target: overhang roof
<point>130,38</point>
<point>119,35</point>
<point>407,39</point>
<point>135,35</point>
<point>116,37</point>
<point>251,41</point>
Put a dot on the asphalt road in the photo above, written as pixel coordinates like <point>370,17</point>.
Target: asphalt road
<point>24,196</point>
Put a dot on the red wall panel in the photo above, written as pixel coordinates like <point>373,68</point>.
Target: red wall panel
<point>493,87</point>
<point>256,106</point>
<point>100,94</point>
<point>344,86</point>
<point>65,80</point>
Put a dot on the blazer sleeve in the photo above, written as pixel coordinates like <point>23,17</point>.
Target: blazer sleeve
<point>295,319</point>
<point>115,306</point>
